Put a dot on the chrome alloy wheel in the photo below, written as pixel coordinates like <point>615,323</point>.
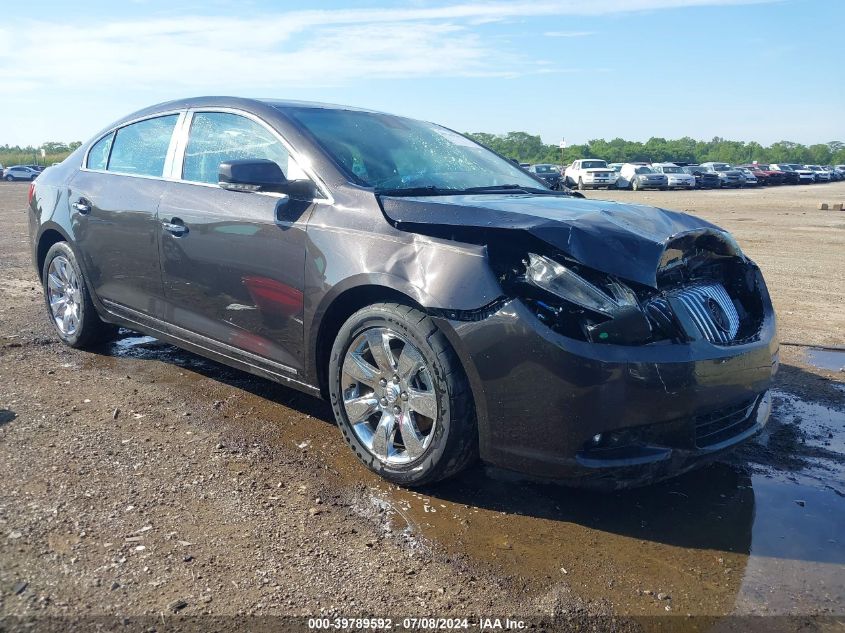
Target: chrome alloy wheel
<point>389,396</point>
<point>64,295</point>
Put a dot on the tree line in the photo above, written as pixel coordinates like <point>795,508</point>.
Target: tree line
<point>54,152</point>
<point>528,148</point>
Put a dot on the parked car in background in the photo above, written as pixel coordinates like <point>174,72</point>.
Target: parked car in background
<point>550,174</point>
<point>766,176</point>
<point>638,177</point>
<point>728,176</point>
<point>703,179</point>
<point>676,177</point>
<point>835,174</point>
<point>821,174</point>
<point>589,173</point>
<point>790,176</point>
<point>20,172</point>
<point>38,168</point>
<point>448,305</point>
<point>750,178</point>
<point>805,176</point>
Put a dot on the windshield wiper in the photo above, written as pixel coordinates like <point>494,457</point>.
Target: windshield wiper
<point>417,191</point>
<point>431,190</point>
<point>514,188</point>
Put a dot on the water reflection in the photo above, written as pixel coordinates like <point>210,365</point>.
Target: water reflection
<point>759,533</point>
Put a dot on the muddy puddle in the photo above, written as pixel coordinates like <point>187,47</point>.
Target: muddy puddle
<point>760,533</point>
<point>830,359</point>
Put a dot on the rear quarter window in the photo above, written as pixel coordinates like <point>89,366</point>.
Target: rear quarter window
<point>98,155</point>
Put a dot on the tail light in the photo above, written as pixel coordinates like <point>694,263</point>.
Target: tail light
<point>31,193</point>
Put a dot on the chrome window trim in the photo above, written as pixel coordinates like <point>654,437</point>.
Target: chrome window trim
<point>169,158</point>
<point>175,159</point>
<point>84,166</point>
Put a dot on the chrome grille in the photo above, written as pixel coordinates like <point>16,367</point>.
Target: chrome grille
<point>711,309</point>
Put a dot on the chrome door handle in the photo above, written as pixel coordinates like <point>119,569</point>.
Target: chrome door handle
<point>82,206</point>
<point>176,227</point>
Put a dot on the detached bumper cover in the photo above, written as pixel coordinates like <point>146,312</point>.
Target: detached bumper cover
<point>542,397</point>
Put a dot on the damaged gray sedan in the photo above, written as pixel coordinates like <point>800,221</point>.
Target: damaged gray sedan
<point>449,305</point>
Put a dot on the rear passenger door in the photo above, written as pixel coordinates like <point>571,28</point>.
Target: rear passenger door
<point>233,262</point>
<point>114,198</point>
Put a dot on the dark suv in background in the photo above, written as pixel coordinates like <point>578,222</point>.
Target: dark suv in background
<point>704,179</point>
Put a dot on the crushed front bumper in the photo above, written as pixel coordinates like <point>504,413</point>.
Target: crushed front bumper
<point>542,399</point>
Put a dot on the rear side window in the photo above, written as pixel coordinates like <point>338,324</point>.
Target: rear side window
<point>140,149</point>
<point>217,137</point>
<point>98,156</point>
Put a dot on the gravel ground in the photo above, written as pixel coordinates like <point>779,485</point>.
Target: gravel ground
<point>142,481</point>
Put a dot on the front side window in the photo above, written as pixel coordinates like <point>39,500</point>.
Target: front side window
<point>140,149</point>
<point>98,156</point>
<point>217,137</point>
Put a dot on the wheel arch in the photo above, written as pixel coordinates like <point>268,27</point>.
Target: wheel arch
<point>51,234</point>
<point>336,309</point>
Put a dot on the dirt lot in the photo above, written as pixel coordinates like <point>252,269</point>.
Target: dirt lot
<point>139,481</point>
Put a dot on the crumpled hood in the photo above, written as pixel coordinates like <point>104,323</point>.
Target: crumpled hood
<point>626,240</point>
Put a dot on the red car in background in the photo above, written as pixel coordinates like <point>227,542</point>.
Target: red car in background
<point>766,176</point>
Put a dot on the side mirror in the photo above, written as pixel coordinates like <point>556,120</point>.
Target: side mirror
<point>257,174</point>
<point>260,174</point>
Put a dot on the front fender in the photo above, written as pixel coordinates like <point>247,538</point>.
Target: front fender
<point>436,274</point>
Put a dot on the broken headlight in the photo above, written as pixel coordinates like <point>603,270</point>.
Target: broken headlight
<point>561,281</point>
<point>609,315</point>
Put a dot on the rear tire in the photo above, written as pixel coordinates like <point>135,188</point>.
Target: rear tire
<point>377,399</point>
<point>580,184</point>
<point>635,185</point>
<point>69,305</point>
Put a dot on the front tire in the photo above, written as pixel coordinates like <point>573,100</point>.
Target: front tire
<point>400,396</point>
<point>635,185</point>
<point>580,184</point>
<point>68,300</point>
<point>9,178</point>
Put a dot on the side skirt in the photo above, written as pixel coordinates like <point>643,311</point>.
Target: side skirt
<point>204,346</point>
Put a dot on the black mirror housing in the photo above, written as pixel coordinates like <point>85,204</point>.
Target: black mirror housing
<point>260,174</point>
<point>254,174</point>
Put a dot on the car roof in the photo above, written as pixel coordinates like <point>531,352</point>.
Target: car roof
<point>239,103</point>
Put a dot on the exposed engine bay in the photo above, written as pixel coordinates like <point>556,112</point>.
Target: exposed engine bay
<point>704,287</point>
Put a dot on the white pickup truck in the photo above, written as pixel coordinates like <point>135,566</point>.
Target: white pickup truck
<point>589,173</point>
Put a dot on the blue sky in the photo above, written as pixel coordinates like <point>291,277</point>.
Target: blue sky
<point>575,69</point>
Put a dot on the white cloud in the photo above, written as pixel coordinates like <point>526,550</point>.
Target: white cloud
<point>99,67</point>
<point>312,47</point>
